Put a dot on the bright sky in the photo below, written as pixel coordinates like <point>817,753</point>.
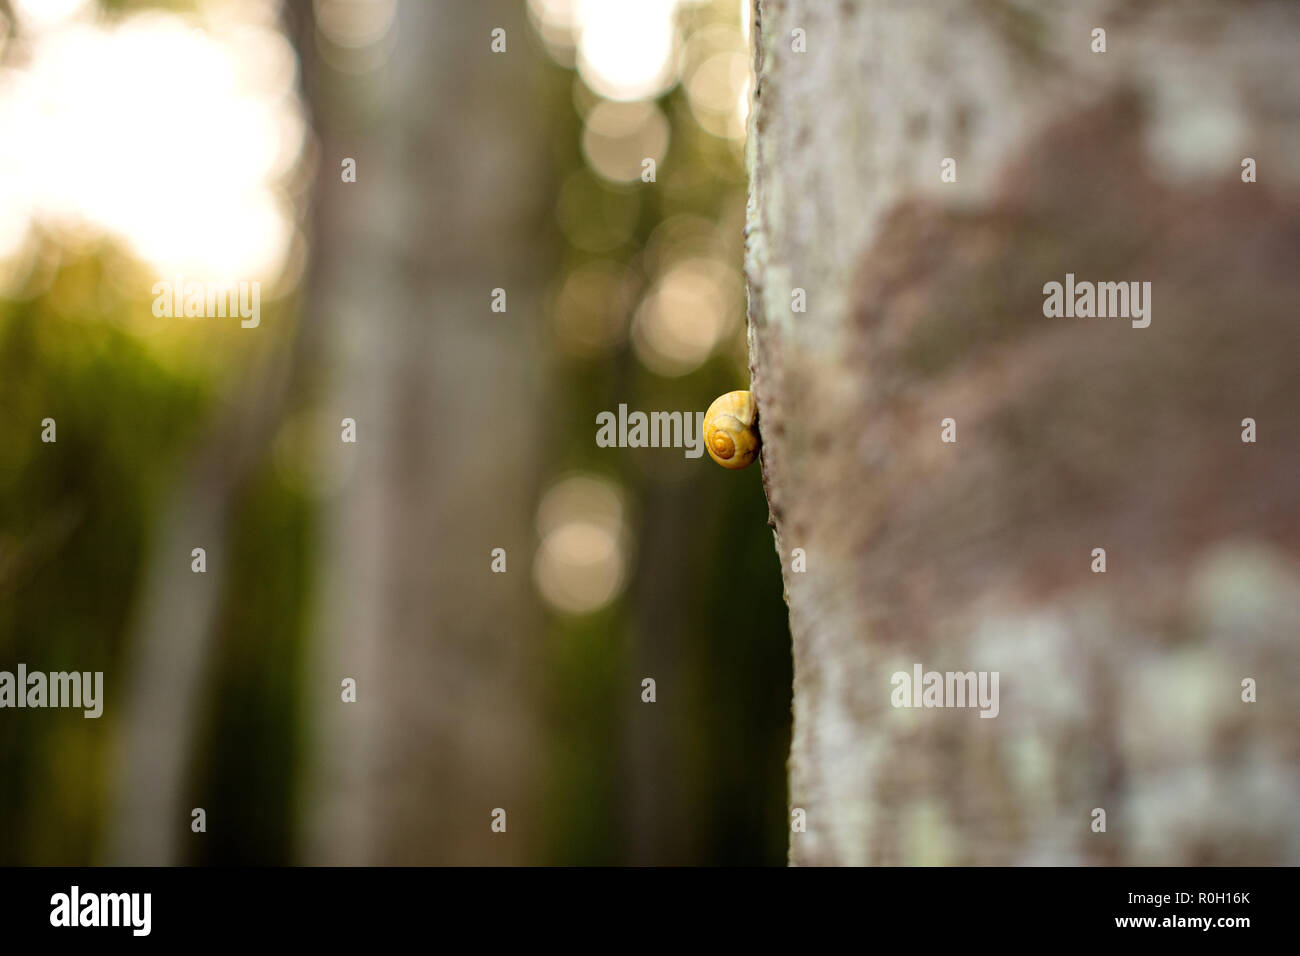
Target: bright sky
<point>176,134</point>
<point>173,134</point>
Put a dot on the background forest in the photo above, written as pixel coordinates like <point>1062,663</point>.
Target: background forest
<point>208,140</point>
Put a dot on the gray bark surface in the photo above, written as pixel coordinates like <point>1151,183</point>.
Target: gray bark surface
<point>1121,690</point>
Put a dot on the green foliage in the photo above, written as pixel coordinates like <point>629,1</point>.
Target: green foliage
<point>75,516</point>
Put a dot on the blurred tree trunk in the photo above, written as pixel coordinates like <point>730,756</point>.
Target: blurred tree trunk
<point>446,398</point>
<point>1119,690</point>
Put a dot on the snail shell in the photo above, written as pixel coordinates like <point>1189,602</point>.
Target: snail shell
<point>731,430</point>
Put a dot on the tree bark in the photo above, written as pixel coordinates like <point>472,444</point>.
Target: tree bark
<point>1121,690</point>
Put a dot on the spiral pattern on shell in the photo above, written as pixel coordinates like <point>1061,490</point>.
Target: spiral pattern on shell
<point>731,430</point>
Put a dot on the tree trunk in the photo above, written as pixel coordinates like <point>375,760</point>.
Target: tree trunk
<point>1120,690</point>
<point>446,396</point>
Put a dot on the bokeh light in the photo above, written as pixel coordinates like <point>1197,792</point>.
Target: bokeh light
<point>626,50</point>
<point>556,22</point>
<point>590,309</point>
<point>189,173</point>
<point>355,23</point>
<point>581,563</point>
<point>623,49</point>
<point>716,71</point>
<point>39,15</point>
<point>685,315</point>
<point>355,37</point>
<point>619,137</point>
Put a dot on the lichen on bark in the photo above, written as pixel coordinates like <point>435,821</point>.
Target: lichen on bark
<point>924,301</point>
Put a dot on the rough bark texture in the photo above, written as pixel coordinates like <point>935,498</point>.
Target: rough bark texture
<point>1120,690</point>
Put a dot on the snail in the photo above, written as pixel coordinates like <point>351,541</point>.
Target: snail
<point>731,430</point>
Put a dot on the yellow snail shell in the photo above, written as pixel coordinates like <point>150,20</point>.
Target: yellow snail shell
<point>730,430</point>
